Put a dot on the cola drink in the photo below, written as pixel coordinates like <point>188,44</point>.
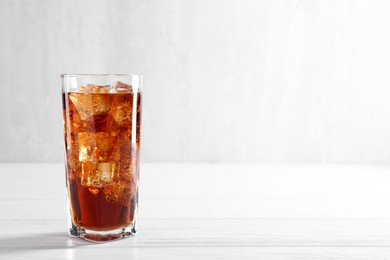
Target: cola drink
<point>102,139</point>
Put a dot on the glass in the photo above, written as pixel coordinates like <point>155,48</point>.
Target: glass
<point>102,123</point>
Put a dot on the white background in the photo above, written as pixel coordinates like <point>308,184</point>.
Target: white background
<point>224,81</point>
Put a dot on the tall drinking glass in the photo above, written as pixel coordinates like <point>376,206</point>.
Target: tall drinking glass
<point>102,123</point>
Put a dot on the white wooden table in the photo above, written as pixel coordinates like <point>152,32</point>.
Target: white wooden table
<point>211,211</point>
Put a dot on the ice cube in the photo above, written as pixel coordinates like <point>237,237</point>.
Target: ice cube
<point>96,89</point>
<point>127,168</point>
<point>122,114</point>
<point>121,87</point>
<point>72,156</point>
<point>125,134</point>
<point>96,175</point>
<point>120,192</point>
<point>125,159</point>
<point>73,166</point>
<point>96,146</point>
<point>89,103</point>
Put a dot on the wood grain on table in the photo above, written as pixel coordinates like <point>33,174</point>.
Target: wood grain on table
<point>211,211</point>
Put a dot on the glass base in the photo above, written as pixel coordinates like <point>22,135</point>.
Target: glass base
<point>102,236</point>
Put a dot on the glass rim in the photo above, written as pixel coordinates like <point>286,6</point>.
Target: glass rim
<point>100,75</point>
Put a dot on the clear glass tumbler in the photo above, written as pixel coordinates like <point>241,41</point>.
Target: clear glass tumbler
<point>102,123</point>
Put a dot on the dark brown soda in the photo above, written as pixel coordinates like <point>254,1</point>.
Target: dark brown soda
<point>103,204</point>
